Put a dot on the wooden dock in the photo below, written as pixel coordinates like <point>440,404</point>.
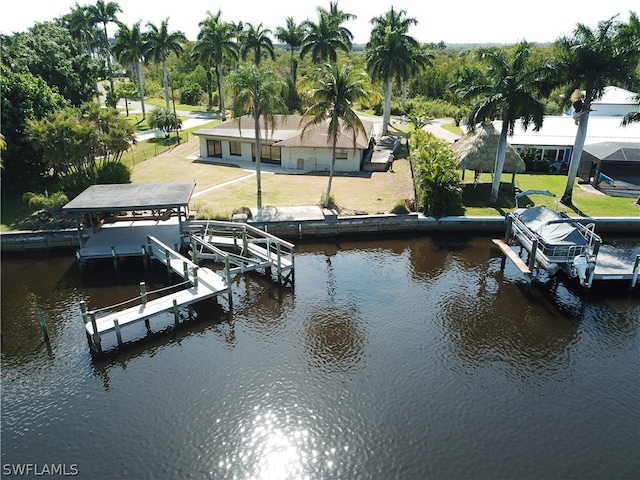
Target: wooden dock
<point>245,247</point>
<point>201,283</point>
<point>614,263</point>
<point>512,255</point>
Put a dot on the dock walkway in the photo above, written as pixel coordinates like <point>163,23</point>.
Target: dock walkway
<point>245,247</point>
<point>204,284</point>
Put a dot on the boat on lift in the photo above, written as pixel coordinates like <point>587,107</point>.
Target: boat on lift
<point>554,240</point>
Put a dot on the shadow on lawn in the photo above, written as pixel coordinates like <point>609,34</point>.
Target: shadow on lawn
<point>478,196</point>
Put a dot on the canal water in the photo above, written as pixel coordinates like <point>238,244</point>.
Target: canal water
<point>406,358</point>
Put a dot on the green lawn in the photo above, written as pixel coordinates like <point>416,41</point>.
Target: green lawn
<point>585,202</point>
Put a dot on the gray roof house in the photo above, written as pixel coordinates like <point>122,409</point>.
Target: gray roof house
<point>284,145</point>
<point>553,143</point>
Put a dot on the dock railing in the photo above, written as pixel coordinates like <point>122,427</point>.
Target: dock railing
<point>249,245</point>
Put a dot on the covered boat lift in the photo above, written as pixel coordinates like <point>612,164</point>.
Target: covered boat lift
<point>130,212</point>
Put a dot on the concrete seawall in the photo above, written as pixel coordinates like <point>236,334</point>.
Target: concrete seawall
<point>369,225</point>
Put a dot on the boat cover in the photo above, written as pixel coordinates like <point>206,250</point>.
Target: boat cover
<point>537,218</point>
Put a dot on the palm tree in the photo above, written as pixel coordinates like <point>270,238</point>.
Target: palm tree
<point>292,35</point>
<point>509,92</point>
<point>338,90</point>
<point>161,43</point>
<point>257,94</point>
<point>104,13</point>
<point>215,43</point>
<point>82,28</point>
<point>632,117</point>
<point>130,48</point>
<point>391,53</point>
<point>256,40</point>
<point>592,60</point>
<point>337,17</point>
<point>165,120</point>
<point>324,39</point>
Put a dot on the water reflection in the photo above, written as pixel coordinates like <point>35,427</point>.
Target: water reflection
<point>413,358</point>
<point>334,338</point>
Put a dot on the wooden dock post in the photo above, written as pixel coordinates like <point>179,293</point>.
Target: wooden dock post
<point>176,312</point>
<point>96,334</point>
<point>147,324</point>
<point>43,325</point>
<point>185,270</point>
<point>636,271</point>
<point>116,326</point>
<point>145,258</point>
<point>532,255</point>
<point>85,319</point>
<point>143,293</point>
<point>227,272</point>
<point>507,234</point>
<point>114,257</point>
<point>268,269</point>
<point>194,251</point>
<point>279,266</point>
<point>167,257</point>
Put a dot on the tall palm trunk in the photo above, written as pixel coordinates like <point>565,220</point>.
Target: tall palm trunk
<point>165,80</point>
<point>209,87</point>
<point>386,116</point>
<point>334,143</point>
<point>139,74</point>
<point>220,89</point>
<point>256,124</point>
<point>501,155</point>
<point>576,155</point>
<point>108,54</point>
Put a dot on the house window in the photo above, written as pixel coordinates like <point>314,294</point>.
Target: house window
<point>341,153</point>
<point>235,148</point>
<point>268,153</point>
<point>214,148</point>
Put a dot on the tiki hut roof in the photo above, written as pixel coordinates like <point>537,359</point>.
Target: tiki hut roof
<point>477,151</point>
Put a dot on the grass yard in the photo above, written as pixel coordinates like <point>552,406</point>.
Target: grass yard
<point>222,188</point>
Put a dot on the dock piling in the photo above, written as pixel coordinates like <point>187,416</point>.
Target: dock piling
<point>176,313</point>
<point>43,325</point>
<point>532,255</point>
<point>116,326</point>
<point>143,293</point>
<point>96,340</point>
<point>114,257</point>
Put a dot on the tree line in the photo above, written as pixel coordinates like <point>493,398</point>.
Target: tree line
<point>60,65</point>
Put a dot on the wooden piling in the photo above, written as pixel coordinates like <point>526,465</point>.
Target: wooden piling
<point>532,255</point>
<point>114,257</point>
<point>96,334</point>
<point>116,326</point>
<point>147,324</point>
<point>143,293</point>
<point>167,257</point>
<point>176,313</point>
<point>43,325</point>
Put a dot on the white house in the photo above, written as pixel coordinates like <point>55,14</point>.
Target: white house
<point>285,145</point>
<point>553,143</point>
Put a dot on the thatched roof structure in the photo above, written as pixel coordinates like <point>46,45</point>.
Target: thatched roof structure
<point>477,151</point>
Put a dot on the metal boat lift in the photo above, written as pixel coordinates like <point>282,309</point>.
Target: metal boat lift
<point>555,241</point>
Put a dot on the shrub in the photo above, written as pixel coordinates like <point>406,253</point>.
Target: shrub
<point>400,208</point>
<point>439,192</point>
<point>332,201</point>
<point>113,173</point>
<point>191,94</point>
<point>39,201</point>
